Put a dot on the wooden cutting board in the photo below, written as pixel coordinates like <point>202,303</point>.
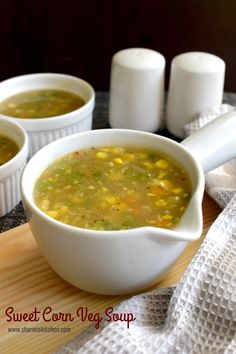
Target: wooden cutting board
<point>27,283</point>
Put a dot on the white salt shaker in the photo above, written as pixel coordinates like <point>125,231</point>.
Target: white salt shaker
<point>137,89</point>
<point>196,84</point>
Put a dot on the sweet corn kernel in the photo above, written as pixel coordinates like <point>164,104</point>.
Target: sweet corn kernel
<point>118,160</point>
<point>68,187</point>
<point>162,164</point>
<point>160,203</point>
<point>52,213</point>
<point>151,195</point>
<point>166,184</point>
<point>167,217</point>
<point>104,189</point>
<point>12,105</point>
<point>148,164</point>
<point>112,199</point>
<point>117,150</point>
<point>102,154</point>
<point>162,174</point>
<point>152,221</point>
<point>178,190</point>
<point>182,208</point>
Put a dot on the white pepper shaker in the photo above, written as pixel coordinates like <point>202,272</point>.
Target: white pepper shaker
<point>196,84</point>
<point>137,89</point>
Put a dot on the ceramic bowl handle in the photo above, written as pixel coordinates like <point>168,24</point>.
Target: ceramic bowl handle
<point>215,143</point>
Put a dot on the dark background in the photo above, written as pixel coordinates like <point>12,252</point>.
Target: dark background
<point>80,37</point>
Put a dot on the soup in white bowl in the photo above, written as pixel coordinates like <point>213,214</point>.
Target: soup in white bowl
<point>44,130</point>
<point>128,260</point>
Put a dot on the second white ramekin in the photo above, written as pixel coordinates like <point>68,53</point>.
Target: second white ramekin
<point>10,172</point>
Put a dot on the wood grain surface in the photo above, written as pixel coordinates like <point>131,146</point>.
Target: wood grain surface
<point>27,282</point>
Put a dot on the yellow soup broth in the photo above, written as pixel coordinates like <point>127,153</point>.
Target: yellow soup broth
<point>8,149</point>
<point>41,104</point>
<point>114,188</point>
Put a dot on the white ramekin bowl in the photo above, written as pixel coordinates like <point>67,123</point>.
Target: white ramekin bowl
<point>42,131</point>
<point>10,172</point>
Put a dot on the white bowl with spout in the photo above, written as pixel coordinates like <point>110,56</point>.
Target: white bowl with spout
<point>123,261</point>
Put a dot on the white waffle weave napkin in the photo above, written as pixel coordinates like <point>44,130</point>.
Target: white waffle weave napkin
<point>199,315</point>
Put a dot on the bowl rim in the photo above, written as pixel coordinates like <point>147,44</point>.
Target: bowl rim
<point>172,234</point>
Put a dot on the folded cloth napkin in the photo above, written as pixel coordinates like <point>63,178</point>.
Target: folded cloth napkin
<point>199,315</point>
